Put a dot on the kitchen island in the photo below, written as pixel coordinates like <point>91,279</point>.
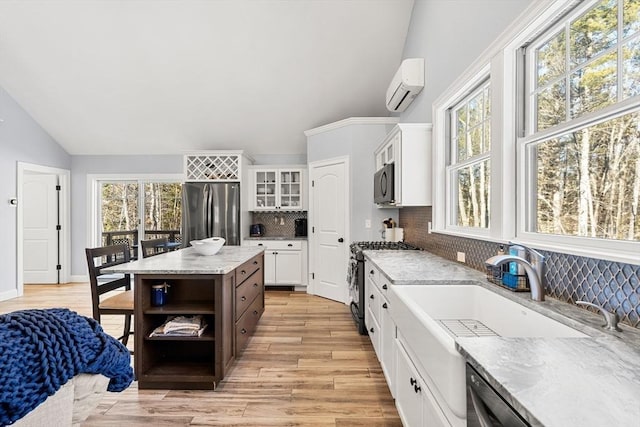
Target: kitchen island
<point>225,289</point>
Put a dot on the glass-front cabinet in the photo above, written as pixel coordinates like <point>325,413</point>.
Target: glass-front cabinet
<point>277,189</point>
<point>290,189</point>
<point>265,189</point>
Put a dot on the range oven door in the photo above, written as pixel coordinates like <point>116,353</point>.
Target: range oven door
<point>485,407</point>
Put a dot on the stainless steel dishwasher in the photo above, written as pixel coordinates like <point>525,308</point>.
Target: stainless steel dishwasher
<point>485,406</point>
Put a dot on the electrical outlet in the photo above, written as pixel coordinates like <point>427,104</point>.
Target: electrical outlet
<point>461,257</point>
<point>367,223</point>
<point>429,227</point>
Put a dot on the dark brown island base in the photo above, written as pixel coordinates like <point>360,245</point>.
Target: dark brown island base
<point>225,289</point>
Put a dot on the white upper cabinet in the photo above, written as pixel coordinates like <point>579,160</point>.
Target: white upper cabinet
<point>274,189</point>
<point>408,147</point>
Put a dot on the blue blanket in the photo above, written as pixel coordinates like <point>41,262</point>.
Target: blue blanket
<point>40,350</point>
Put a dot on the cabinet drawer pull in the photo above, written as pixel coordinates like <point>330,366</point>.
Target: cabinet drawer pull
<point>371,330</point>
<point>243,298</point>
<point>259,244</point>
<point>243,272</point>
<point>243,331</point>
<point>255,312</point>
<point>255,285</point>
<point>255,262</point>
<point>371,272</point>
<point>371,296</point>
<point>384,305</point>
<point>417,388</point>
<point>290,245</point>
<point>384,287</point>
<point>413,381</point>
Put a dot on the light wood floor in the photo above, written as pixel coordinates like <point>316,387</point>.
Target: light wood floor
<point>305,366</point>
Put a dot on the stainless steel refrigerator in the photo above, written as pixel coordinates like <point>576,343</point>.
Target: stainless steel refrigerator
<point>211,209</point>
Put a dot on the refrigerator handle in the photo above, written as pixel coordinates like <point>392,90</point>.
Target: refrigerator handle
<point>209,203</point>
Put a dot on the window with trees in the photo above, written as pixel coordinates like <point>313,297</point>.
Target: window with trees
<point>582,145</point>
<point>469,167</point>
<point>135,210</point>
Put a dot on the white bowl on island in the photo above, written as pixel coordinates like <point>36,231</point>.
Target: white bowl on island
<point>209,246</point>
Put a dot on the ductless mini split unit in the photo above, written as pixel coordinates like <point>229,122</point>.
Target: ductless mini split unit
<point>406,84</point>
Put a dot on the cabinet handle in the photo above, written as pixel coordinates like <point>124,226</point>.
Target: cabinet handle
<point>385,287</point>
<point>290,245</point>
<point>371,272</point>
<point>243,298</point>
<point>243,331</point>
<point>256,262</point>
<point>371,330</point>
<point>413,381</point>
<point>384,305</point>
<point>371,296</point>
<point>243,272</point>
<point>255,312</point>
<point>417,388</point>
<point>255,285</point>
<point>259,244</point>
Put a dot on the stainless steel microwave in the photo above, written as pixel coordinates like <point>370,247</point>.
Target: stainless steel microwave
<point>383,185</point>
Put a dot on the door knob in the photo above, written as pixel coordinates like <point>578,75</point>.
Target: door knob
<point>340,240</point>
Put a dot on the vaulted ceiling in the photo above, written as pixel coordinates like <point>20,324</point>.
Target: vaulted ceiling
<point>138,77</point>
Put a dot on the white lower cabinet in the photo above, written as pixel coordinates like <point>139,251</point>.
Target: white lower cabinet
<point>374,333</point>
<point>288,267</point>
<point>285,261</point>
<point>415,403</point>
<point>384,328</point>
<point>387,346</point>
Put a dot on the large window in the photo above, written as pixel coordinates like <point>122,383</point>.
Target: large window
<point>582,148</point>
<point>469,167</point>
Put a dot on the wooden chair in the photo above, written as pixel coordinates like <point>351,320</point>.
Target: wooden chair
<point>153,247</point>
<point>120,303</point>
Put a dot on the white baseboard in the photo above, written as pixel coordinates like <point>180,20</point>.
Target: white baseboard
<point>79,279</point>
<point>13,293</point>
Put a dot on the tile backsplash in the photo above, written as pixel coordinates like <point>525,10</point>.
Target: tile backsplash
<point>277,224</point>
<point>569,278</point>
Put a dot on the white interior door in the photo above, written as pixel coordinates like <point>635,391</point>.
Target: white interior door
<point>40,218</point>
<point>329,195</point>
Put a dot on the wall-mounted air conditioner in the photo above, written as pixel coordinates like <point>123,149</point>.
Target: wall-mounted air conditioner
<point>406,84</point>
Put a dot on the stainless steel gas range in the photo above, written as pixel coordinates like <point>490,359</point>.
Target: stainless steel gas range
<point>355,275</point>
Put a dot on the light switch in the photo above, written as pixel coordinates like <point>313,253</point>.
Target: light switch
<point>461,257</point>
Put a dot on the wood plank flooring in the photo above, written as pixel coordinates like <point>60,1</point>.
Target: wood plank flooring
<point>305,366</point>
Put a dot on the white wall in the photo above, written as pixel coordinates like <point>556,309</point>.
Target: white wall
<point>450,35</point>
<point>357,141</point>
<point>21,140</point>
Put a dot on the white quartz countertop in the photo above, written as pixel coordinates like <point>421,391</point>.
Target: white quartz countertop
<point>188,261</point>
<point>561,382</point>
<point>552,382</point>
<point>420,268</point>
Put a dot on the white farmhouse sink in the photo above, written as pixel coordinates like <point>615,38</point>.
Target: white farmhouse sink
<point>433,315</point>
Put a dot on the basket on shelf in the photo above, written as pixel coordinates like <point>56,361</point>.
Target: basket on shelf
<point>500,276</point>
